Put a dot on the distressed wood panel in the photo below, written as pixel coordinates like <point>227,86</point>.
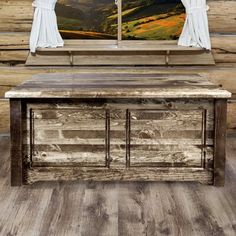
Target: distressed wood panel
<point>218,22</point>
<point>231,114</point>
<point>14,40</point>
<point>171,156</point>
<point>4,116</point>
<point>151,132</point>
<point>168,86</point>
<point>17,166</point>
<point>103,174</point>
<point>63,134</point>
<point>119,57</point>
<point>221,76</point>
<point>54,138</point>
<point>224,48</point>
<point>220,142</point>
<point>14,56</point>
<point>16,15</point>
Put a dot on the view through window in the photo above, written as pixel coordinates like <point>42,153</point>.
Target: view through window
<point>141,19</point>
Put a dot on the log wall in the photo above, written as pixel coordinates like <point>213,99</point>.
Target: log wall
<point>15,25</point>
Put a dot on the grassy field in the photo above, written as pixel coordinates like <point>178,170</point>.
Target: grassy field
<point>159,27</point>
<point>79,34</point>
<point>146,20</point>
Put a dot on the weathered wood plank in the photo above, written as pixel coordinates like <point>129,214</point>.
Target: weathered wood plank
<point>216,15</point>
<point>100,210</point>
<point>12,76</point>
<point>4,116</point>
<point>220,141</point>
<point>17,173</point>
<point>16,15</point>
<point>176,88</point>
<point>231,114</point>
<point>131,209</point>
<point>14,40</point>
<point>171,159</point>
<point>103,174</point>
<point>14,56</point>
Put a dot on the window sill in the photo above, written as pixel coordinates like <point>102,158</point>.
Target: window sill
<point>112,52</point>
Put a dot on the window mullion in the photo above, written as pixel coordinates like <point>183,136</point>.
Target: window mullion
<point>119,6</point>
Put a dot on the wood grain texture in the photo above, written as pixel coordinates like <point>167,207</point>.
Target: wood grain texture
<point>137,208</point>
<point>36,174</point>
<point>217,13</point>
<point>220,140</point>
<point>218,75</point>
<point>120,56</point>
<point>17,174</point>
<point>68,140</point>
<point>74,133</point>
<point>14,40</point>
<point>117,86</point>
<point>16,16</point>
<point>4,116</point>
<point>140,52</point>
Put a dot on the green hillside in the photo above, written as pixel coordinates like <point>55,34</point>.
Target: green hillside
<point>142,19</point>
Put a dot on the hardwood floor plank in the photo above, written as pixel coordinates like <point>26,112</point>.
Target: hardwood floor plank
<point>131,209</point>
<point>99,212</point>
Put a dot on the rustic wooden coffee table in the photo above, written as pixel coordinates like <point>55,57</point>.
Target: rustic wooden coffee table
<point>105,127</point>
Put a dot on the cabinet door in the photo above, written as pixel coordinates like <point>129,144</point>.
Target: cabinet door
<point>67,136</point>
<point>168,138</point>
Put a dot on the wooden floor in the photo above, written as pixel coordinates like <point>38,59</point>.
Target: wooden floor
<point>89,209</point>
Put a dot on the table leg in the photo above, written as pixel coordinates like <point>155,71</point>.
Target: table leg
<point>220,141</point>
<point>16,142</point>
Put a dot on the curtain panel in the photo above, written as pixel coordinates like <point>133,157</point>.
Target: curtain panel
<point>44,31</point>
<point>195,31</point>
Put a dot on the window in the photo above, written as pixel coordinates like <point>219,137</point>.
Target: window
<point>127,20</point>
<point>120,32</point>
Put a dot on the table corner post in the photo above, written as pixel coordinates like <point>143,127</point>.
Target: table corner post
<point>220,141</point>
<point>16,142</point>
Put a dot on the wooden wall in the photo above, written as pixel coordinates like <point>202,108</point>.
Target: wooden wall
<point>15,25</point>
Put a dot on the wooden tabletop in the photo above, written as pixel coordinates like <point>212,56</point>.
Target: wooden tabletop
<point>117,85</point>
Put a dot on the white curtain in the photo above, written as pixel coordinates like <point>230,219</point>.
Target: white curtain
<point>196,31</point>
<point>44,31</point>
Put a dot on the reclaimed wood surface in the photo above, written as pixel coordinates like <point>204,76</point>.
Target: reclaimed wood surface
<point>220,141</point>
<point>168,139</point>
<point>120,56</point>
<point>117,86</point>
<point>17,166</point>
<point>74,133</point>
<point>223,77</point>
<point>36,174</point>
